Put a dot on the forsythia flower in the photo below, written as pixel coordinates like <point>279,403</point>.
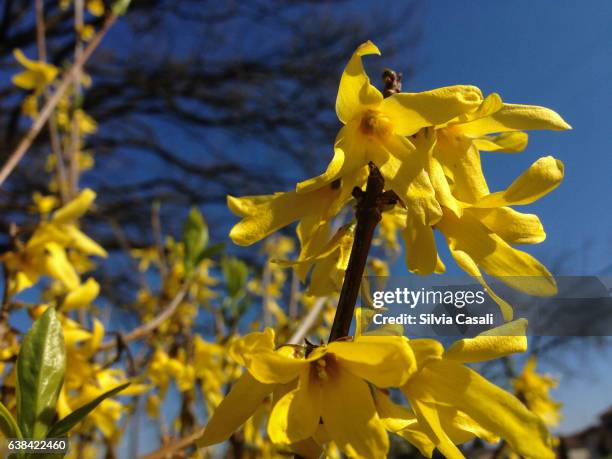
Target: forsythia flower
<point>375,130</point>
<point>480,226</point>
<point>327,383</point>
<point>36,77</point>
<point>329,263</point>
<point>45,252</point>
<point>451,403</point>
<point>426,145</point>
<point>535,388</point>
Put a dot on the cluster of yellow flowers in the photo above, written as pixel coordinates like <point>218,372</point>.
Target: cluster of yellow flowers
<point>427,148</point>
<point>339,393</point>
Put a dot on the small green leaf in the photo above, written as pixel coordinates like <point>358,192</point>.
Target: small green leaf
<point>40,374</point>
<point>211,251</point>
<point>120,7</point>
<point>235,273</point>
<point>195,238</point>
<point>8,425</point>
<point>63,426</point>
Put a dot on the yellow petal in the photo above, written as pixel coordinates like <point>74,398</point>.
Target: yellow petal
<point>515,117</point>
<point>465,262</point>
<point>404,173</point>
<point>82,296</point>
<point>541,178</point>
<point>461,163</point>
<point>84,243</point>
<point>349,157</point>
<point>246,396</point>
<point>512,226</point>
<point>262,215</point>
<point>421,252</point>
<point>253,342</point>
<point>491,104</point>
<point>510,142</point>
<point>355,92</point>
<point>95,7</point>
<point>494,409</point>
<point>75,208</point>
<point>58,266</point>
<point>403,422</point>
<point>296,415</point>
<point>349,416</point>
<point>491,253</point>
<point>495,343</point>
<point>384,361</point>
<point>409,112</point>
<point>277,367</point>
<point>25,80</point>
<point>428,418</point>
<point>96,339</point>
<point>22,59</point>
<point>426,350</point>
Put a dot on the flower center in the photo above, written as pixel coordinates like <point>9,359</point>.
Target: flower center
<point>376,124</point>
<point>323,367</point>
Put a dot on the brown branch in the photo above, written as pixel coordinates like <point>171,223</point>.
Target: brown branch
<point>145,329</point>
<point>369,212</point>
<point>307,322</point>
<point>47,110</point>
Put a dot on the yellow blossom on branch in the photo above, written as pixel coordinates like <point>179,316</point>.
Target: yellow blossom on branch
<point>534,388</point>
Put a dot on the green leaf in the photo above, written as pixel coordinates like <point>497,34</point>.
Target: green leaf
<point>235,273</point>
<point>195,238</point>
<point>10,429</point>
<point>63,426</point>
<point>40,374</point>
<point>120,7</point>
<point>211,251</point>
<point>8,425</point>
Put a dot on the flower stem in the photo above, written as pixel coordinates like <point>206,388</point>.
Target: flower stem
<point>369,212</point>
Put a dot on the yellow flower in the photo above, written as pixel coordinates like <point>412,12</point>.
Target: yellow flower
<point>45,252</point>
<point>534,388</point>
<point>82,296</point>
<point>36,76</point>
<point>146,256</point>
<point>44,204</point>
<point>328,384</point>
<point>212,369</point>
<point>164,368</point>
<point>95,7</point>
<point>330,263</point>
<point>87,379</point>
<point>451,403</point>
<point>375,130</point>
<point>264,214</point>
<point>480,227</point>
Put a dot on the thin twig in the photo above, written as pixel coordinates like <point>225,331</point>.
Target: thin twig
<point>145,329</point>
<point>307,322</point>
<point>158,238</point>
<point>50,105</point>
<point>56,147</point>
<point>265,299</point>
<point>75,137</point>
<point>294,295</point>
<point>176,446</point>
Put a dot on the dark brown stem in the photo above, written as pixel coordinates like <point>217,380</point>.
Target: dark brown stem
<point>369,212</point>
<point>392,81</point>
